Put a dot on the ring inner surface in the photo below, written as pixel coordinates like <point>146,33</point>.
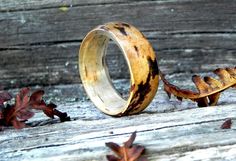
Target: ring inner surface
<point>98,83</point>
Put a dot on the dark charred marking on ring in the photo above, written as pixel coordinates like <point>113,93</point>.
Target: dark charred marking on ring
<point>139,95</point>
<point>144,87</point>
<point>103,61</point>
<point>136,49</point>
<point>125,24</point>
<point>153,67</point>
<point>86,71</point>
<point>100,98</point>
<point>122,30</point>
<point>107,109</point>
<point>104,53</point>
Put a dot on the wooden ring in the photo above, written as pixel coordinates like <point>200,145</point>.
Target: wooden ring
<point>141,60</point>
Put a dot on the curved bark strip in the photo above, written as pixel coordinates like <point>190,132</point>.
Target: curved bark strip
<point>208,88</point>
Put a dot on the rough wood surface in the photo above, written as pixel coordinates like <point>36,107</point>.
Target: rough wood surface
<point>170,130</point>
<point>39,42</point>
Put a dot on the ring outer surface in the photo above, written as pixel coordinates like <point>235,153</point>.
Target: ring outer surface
<point>140,58</point>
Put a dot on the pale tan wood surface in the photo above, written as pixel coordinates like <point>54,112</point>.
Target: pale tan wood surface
<point>169,129</point>
<point>39,42</point>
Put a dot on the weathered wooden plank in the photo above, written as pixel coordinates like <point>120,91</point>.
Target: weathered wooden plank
<point>157,147</point>
<point>39,42</point>
<point>178,134</point>
<point>13,5</point>
<point>168,129</point>
<point>37,66</point>
<point>47,25</point>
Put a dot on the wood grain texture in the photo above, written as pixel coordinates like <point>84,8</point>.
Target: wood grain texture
<point>39,42</point>
<point>169,130</point>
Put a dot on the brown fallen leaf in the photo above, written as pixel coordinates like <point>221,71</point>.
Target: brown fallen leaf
<point>37,102</point>
<point>127,152</point>
<point>227,124</point>
<point>4,96</point>
<point>21,111</point>
<point>209,89</point>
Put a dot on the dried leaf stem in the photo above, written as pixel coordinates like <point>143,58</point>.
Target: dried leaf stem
<point>208,88</point>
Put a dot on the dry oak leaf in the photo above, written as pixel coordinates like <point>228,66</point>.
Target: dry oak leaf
<point>128,152</point>
<point>227,124</point>
<point>4,96</point>
<point>37,102</point>
<point>209,88</point>
<point>17,114</point>
<point>21,111</point>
